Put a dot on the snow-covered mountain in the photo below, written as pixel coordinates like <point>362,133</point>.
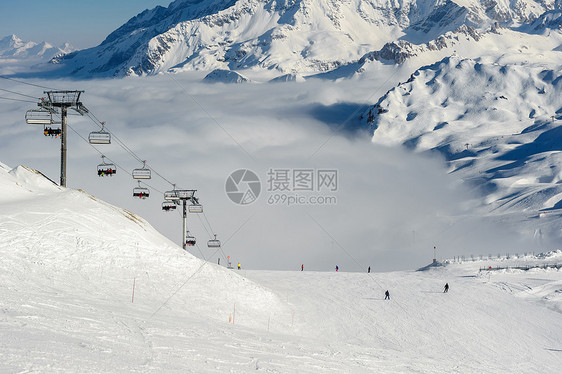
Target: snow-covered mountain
<point>497,124</point>
<point>12,47</point>
<point>291,36</point>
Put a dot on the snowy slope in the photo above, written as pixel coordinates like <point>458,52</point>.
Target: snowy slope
<point>70,263</point>
<point>289,36</point>
<point>497,124</point>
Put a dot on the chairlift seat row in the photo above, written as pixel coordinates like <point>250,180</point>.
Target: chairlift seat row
<point>38,117</point>
<point>171,195</point>
<point>195,208</point>
<point>214,243</point>
<point>48,131</point>
<point>99,137</point>
<point>110,171</point>
<point>141,174</point>
<point>168,206</point>
<point>141,192</point>
<point>190,240</point>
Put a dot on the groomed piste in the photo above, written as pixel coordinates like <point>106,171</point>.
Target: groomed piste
<point>89,287</point>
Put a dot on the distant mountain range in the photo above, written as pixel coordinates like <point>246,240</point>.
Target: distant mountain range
<point>12,47</point>
<point>289,36</point>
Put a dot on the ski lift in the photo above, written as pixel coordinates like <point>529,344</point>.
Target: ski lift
<point>172,195</point>
<point>50,131</point>
<point>195,207</point>
<point>190,240</point>
<point>100,137</point>
<point>39,117</point>
<point>105,169</point>
<point>214,243</point>
<point>141,192</point>
<point>168,206</point>
<point>142,173</point>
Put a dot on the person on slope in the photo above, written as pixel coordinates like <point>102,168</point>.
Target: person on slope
<point>387,295</point>
<point>238,266</point>
<point>337,268</point>
<point>302,267</point>
<point>446,289</point>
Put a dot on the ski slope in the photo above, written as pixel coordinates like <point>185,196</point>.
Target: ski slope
<point>70,263</point>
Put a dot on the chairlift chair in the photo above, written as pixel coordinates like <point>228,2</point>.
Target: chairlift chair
<point>141,192</point>
<point>100,137</point>
<point>51,131</point>
<point>195,208</point>
<point>38,117</point>
<point>190,240</point>
<point>171,195</point>
<point>105,169</point>
<point>168,206</point>
<point>141,173</point>
<point>214,243</point>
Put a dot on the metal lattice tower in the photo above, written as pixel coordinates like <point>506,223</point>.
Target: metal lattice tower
<point>184,196</point>
<point>64,100</point>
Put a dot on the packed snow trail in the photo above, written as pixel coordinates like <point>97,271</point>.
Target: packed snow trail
<point>70,262</point>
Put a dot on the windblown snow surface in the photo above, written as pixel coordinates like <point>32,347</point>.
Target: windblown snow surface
<point>71,262</point>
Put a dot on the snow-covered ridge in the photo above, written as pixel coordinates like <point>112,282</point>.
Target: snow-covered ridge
<point>296,36</point>
<point>65,236</point>
<point>496,124</point>
<point>13,47</point>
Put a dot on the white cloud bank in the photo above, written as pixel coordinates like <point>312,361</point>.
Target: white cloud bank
<point>392,206</point>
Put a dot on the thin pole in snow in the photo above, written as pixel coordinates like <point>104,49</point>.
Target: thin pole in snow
<point>293,320</point>
<point>133,298</point>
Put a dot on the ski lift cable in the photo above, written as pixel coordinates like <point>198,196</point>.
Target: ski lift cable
<point>93,117</point>
<point>17,93</point>
<point>115,137</point>
<point>25,101</point>
<point>211,117</point>
<point>182,285</point>
<point>110,160</point>
<point>211,235</point>
<point>30,84</point>
<point>200,251</point>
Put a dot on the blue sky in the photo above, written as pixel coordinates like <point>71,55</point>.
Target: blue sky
<point>83,24</point>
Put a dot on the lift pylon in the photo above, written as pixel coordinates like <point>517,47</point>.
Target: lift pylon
<point>56,100</point>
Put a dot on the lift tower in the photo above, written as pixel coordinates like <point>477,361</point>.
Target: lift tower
<point>183,196</point>
<point>44,116</point>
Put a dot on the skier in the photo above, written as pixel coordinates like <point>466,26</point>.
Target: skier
<point>446,289</point>
<point>369,270</point>
<point>337,268</point>
<point>238,266</point>
<point>302,267</point>
<point>387,295</point>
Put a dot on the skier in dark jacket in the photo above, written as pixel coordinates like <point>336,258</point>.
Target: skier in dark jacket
<point>387,295</point>
<point>446,289</point>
